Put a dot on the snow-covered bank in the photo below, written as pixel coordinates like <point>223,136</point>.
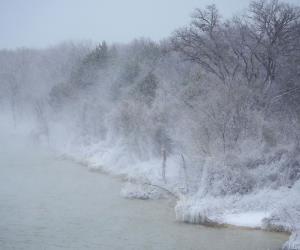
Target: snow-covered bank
<point>51,203</point>
<point>293,242</point>
<point>272,210</point>
<point>268,208</point>
<point>275,209</point>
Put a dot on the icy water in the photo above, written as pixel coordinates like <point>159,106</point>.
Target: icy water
<point>50,203</point>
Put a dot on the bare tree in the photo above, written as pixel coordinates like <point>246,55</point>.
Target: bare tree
<point>272,25</point>
<point>204,42</point>
<point>43,129</point>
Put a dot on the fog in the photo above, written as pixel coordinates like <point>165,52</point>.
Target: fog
<point>207,112</point>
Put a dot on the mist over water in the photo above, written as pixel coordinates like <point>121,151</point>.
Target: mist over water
<point>210,116</point>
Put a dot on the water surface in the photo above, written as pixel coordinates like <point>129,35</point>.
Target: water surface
<point>50,203</point>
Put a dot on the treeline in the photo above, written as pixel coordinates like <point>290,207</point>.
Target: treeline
<point>221,91</point>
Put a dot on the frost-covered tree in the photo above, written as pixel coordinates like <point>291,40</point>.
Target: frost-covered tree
<point>216,89</point>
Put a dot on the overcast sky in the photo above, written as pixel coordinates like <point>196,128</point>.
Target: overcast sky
<point>40,23</point>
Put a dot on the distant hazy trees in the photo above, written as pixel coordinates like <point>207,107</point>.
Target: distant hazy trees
<point>215,89</point>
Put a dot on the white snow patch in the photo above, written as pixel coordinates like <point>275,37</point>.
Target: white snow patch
<point>293,243</point>
<point>246,219</point>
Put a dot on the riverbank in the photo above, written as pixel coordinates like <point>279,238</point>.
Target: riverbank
<point>53,203</point>
<point>270,209</point>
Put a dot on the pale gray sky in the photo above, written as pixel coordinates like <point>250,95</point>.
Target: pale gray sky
<point>40,23</point>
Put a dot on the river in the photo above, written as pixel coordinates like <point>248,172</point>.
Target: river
<point>50,203</point>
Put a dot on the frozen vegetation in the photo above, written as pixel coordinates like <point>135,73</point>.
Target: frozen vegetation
<point>210,115</point>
